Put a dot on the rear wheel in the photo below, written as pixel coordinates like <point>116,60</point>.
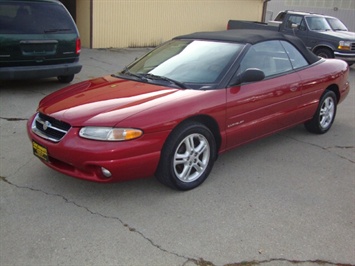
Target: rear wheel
<point>65,79</point>
<point>187,157</point>
<point>325,114</point>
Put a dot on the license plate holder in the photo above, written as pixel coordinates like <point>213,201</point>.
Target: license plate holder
<point>40,151</point>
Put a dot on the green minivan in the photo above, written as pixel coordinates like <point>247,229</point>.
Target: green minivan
<point>38,39</point>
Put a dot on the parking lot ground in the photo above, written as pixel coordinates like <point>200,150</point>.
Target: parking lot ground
<point>288,199</point>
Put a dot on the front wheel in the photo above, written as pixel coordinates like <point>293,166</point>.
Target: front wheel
<point>325,53</point>
<point>187,157</point>
<point>325,114</point>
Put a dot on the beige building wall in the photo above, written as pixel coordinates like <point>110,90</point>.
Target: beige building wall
<point>83,16</point>
<point>139,23</point>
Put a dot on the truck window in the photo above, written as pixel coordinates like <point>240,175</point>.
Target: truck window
<point>318,23</point>
<point>336,24</point>
<point>280,16</point>
<point>293,19</point>
<point>303,25</point>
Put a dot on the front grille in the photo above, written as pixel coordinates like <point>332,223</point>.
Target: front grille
<point>49,128</point>
<point>353,46</point>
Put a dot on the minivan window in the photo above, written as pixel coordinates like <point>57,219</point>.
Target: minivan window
<point>34,18</point>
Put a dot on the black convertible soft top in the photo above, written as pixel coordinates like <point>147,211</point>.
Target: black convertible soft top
<point>252,37</point>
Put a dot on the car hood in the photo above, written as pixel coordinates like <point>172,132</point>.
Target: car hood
<point>345,35</point>
<point>104,101</point>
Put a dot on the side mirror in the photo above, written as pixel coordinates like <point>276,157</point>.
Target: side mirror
<point>294,26</point>
<point>251,75</point>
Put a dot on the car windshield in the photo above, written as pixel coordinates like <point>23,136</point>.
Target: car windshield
<point>336,24</point>
<point>25,17</point>
<point>318,23</point>
<point>186,61</point>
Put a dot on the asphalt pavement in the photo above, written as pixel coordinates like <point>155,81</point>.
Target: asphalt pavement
<point>288,199</point>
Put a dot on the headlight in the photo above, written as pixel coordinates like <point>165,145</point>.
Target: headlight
<point>344,45</point>
<point>110,133</point>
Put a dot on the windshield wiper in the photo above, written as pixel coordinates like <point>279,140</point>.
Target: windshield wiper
<point>126,71</point>
<point>146,76</point>
<point>175,82</point>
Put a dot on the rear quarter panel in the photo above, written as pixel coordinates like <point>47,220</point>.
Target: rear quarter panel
<point>328,73</point>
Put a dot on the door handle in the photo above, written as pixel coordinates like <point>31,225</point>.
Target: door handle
<point>294,87</point>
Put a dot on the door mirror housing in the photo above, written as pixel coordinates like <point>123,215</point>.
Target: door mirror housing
<point>251,75</point>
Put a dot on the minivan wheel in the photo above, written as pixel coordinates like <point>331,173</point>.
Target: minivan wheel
<point>187,157</point>
<point>65,79</point>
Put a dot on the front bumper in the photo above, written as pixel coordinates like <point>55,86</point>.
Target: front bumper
<point>84,159</point>
<point>348,57</point>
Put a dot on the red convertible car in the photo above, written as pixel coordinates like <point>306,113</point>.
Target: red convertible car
<point>171,112</point>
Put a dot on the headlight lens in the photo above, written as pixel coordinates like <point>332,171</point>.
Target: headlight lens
<point>110,133</point>
<point>344,45</point>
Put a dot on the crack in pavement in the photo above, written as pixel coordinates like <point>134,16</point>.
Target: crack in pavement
<point>328,149</point>
<point>198,262</point>
<point>13,119</point>
<point>319,262</point>
<point>131,229</point>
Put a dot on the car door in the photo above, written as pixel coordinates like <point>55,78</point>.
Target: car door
<point>259,108</point>
<point>301,31</point>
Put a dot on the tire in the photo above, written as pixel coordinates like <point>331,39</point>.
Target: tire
<point>325,114</point>
<point>325,53</point>
<point>187,157</point>
<point>65,79</point>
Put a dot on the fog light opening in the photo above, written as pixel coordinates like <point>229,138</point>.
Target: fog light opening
<point>106,173</point>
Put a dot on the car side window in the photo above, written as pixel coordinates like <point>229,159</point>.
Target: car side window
<point>269,56</point>
<point>296,58</point>
<point>293,20</point>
